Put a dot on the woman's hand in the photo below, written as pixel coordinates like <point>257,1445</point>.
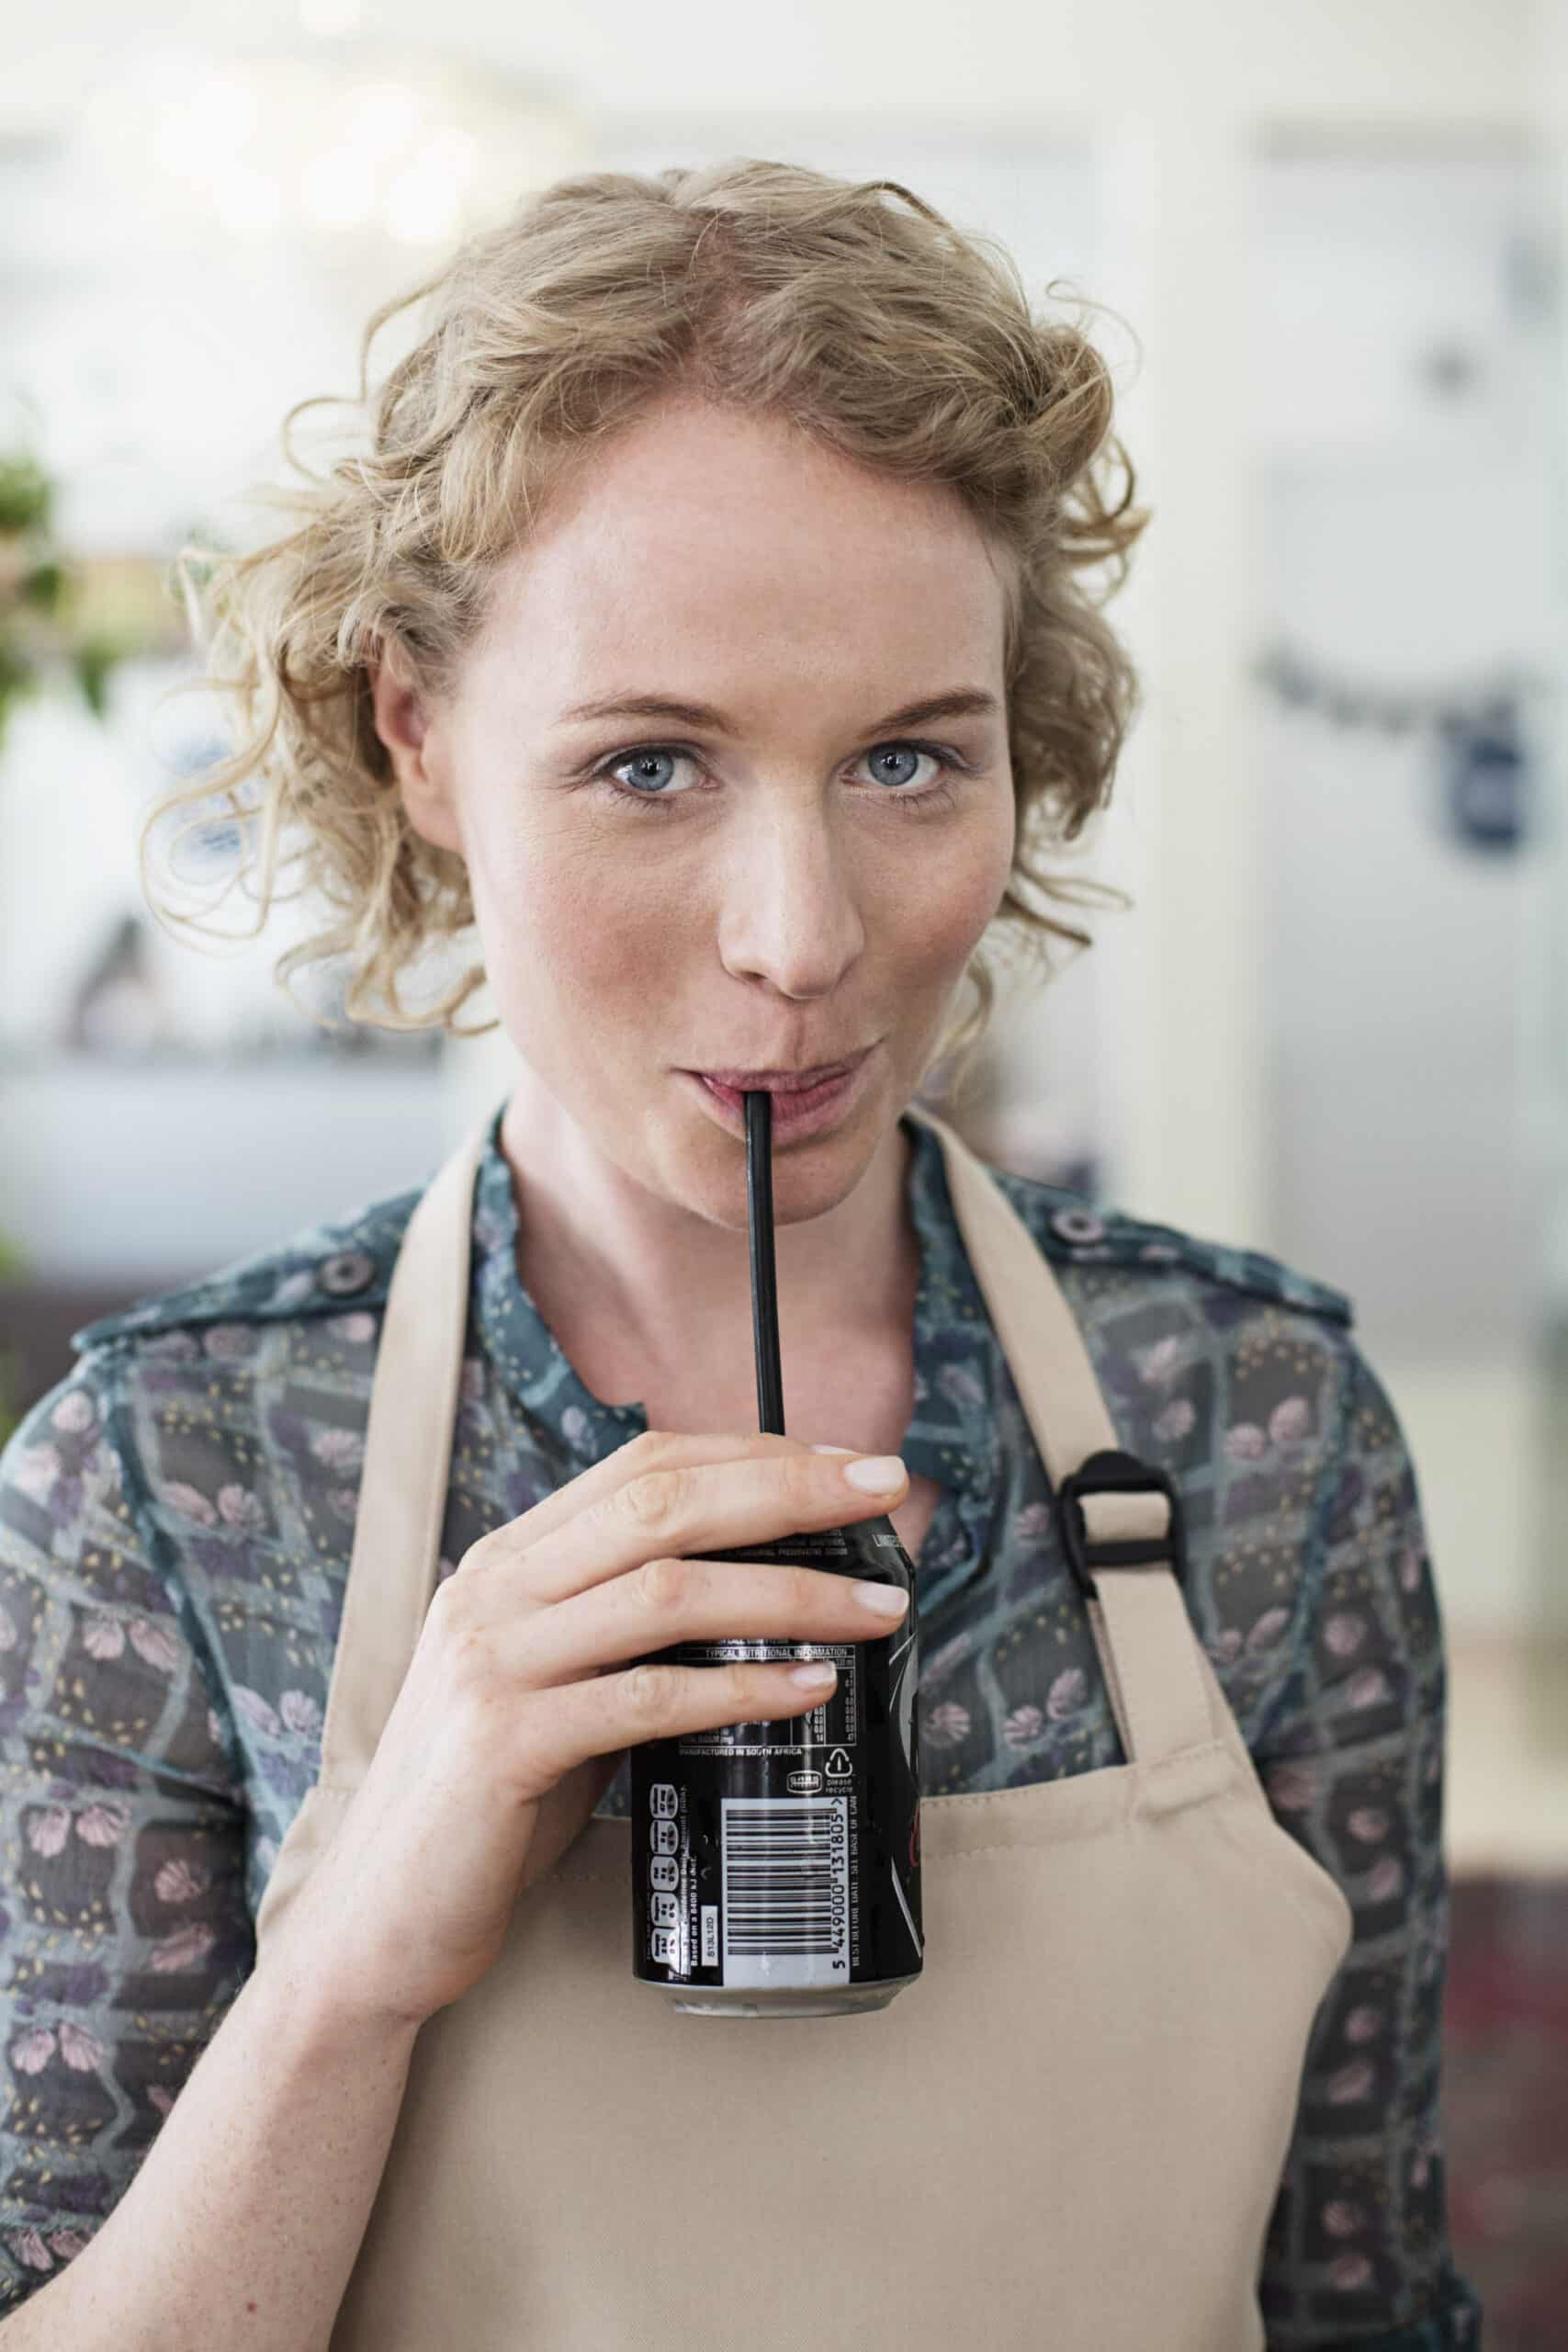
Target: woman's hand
<point>516,1708</point>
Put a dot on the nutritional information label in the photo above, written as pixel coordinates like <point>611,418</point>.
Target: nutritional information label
<point>667,1940</point>
<point>831,1722</point>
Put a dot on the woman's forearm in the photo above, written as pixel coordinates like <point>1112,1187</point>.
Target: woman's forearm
<point>244,2220</point>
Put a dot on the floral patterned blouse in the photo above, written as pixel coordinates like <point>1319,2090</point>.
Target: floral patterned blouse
<point>175,1523</point>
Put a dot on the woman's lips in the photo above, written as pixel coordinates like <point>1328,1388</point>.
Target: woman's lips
<point>799,1111</point>
<point>782,1081</point>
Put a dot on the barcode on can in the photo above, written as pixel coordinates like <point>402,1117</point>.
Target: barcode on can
<point>786,1864</point>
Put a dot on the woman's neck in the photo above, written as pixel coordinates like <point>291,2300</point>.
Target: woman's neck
<point>641,1291</point>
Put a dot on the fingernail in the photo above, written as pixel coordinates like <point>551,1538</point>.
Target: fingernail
<point>832,1448</point>
<point>875,1474</point>
<point>886,1599</point>
<point>814,1678</point>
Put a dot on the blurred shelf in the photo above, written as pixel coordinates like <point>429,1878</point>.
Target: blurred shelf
<point>138,1171</point>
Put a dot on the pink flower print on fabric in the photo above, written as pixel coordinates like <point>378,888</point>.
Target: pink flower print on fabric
<point>103,1637</point>
<point>31,2052</point>
<point>74,1414</point>
<point>1023,1727</point>
<point>103,1825</point>
<point>155,1645</point>
<point>186,1948</point>
<point>187,1502</point>
<point>1245,1442</point>
<point>238,1507</point>
<point>1289,1421</point>
<point>946,1724</point>
<point>301,1713</point>
<point>1068,1692</point>
<point>37,1468</point>
<point>226,1342</point>
<point>47,1831</point>
<point>1267,1629</point>
<point>1291,1788</point>
<point>1159,1362</point>
<point>181,1882</point>
<point>257,1711</point>
<point>1177,1421</point>
<point>339,1449</point>
<point>82,2050</point>
<point>1351,2083</point>
<point>1344,1632</point>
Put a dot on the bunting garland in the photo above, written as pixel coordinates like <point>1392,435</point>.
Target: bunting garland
<point>1484,774</point>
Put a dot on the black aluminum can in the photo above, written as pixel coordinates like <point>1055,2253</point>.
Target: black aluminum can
<point>776,1866</point>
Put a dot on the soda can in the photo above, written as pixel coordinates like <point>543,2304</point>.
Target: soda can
<point>776,1866</point>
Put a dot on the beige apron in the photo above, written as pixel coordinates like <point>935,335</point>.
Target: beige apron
<point>1069,2131</point>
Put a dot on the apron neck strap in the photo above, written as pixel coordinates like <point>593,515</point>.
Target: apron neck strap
<point>1150,1654</point>
<point>395,1564</point>
<point>1145,1638</point>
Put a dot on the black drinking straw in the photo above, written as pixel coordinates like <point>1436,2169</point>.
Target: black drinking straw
<point>764,1285</point>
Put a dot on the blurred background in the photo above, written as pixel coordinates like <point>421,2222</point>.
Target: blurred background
<point>1334,1027</point>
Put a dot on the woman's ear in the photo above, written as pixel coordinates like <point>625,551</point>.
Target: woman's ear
<point>416,747</point>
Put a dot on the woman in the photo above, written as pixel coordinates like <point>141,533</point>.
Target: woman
<point>704,626</point>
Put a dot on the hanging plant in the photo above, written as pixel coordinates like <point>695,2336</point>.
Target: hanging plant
<point>49,625</point>
<point>50,621</point>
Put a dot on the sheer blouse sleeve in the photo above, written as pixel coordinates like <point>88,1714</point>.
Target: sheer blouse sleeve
<point>124,1931</point>
<point>1352,1758</point>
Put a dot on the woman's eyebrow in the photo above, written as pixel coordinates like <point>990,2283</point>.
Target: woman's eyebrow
<point>962,702</point>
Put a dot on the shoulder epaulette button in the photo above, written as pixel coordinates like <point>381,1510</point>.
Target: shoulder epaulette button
<point>1078,1226</point>
<point>347,1275</point>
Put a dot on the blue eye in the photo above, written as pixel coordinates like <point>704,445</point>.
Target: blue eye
<point>647,755</point>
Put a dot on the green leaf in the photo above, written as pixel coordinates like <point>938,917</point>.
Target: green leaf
<point>93,663</point>
<point>26,497</point>
<point>43,586</point>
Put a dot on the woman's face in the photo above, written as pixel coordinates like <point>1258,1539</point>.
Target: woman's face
<point>779,884</point>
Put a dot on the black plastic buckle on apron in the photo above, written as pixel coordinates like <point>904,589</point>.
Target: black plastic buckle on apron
<point>1113,1472</point>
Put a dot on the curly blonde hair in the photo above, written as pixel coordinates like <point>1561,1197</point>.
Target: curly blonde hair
<point>878,326</point>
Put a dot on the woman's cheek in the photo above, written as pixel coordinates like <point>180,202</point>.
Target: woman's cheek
<point>961,896</point>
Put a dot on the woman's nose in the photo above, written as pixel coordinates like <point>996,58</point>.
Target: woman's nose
<point>791,906</point>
